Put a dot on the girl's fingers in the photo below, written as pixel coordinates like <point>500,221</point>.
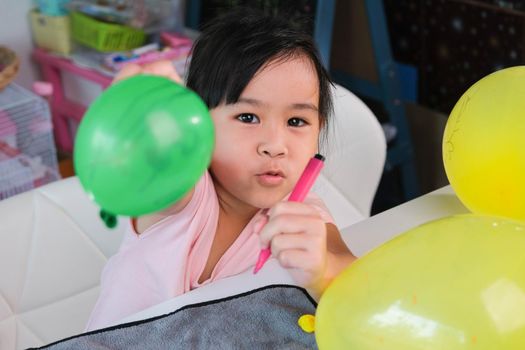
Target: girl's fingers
<point>289,224</point>
<point>259,224</point>
<point>289,241</point>
<point>160,68</point>
<point>176,77</point>
<point>163,68</point>
<point>292,208</point>
<point>295,259</point>
<point>128,71</point>
<point>312,246</point>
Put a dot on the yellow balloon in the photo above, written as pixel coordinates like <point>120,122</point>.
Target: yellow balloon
<point>484,145</point>
<point>454,283</point>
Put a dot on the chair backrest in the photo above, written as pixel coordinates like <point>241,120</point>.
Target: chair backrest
<point>355,156</point>
<point>53,247</point>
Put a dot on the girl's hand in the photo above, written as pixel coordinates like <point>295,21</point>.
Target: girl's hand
<point>297,237</point>
<point>160,68</point>
<point>303,243</point>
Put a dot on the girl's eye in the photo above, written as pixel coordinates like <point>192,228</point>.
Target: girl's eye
<point>248,118</point>
<point>296,122</point>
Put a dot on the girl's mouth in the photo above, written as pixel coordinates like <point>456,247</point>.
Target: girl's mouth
<point>270,178</point>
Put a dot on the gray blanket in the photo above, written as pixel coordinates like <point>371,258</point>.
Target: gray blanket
<point>265,318</point>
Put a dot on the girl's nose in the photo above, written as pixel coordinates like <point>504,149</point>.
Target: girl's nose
<point>272,143</point>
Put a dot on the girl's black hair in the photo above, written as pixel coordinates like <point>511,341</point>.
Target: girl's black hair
<point>233,47</point>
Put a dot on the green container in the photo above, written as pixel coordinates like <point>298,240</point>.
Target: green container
<point>104,36</point>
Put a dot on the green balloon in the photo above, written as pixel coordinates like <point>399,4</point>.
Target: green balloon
<point>142,145</point>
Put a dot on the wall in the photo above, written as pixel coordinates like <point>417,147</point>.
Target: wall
<point>453,44</point>
<point>15,33</point>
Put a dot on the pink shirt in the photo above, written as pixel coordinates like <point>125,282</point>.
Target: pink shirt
<point>168,258</point>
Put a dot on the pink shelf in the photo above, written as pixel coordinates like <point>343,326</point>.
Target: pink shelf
<point>63,109</point>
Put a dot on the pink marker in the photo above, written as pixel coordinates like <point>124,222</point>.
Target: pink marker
<point>301,189</point>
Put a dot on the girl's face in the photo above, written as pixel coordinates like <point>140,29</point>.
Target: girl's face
<point>264,141</point>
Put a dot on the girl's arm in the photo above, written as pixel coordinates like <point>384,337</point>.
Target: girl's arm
<point>142,223</point>
<point>164,69</point>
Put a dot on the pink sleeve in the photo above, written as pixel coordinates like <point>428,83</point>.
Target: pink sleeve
<point>202,187</point>
<point>315,201</point>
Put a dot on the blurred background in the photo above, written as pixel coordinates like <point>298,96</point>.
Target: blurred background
<point>409,60</point>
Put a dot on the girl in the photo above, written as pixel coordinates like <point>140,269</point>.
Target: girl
<point>269,98</point>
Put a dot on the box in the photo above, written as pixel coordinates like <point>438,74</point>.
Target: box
<point>51,32</point>
<point>105,37</point>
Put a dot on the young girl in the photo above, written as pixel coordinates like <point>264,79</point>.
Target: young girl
<point>269,98</point>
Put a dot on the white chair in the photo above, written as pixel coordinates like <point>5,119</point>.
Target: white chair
<point>53,245</point>
<point>355,156</point>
